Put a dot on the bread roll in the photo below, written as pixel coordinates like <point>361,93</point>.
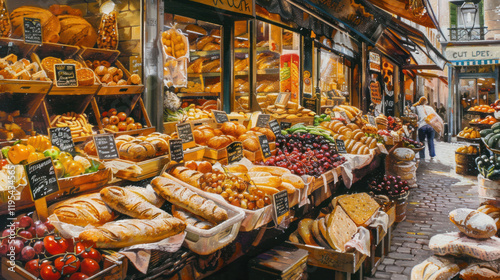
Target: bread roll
<point>236,168</point>
<point>83,210</point>
<point>287,186</point>
<point>130,204</point>
<point>185,198</point>
<point>251,144</point>
<point>124,233</point>
<point>295,180</point>
<point>473,223</point>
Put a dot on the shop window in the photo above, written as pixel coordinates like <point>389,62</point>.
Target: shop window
<point>333,80</point>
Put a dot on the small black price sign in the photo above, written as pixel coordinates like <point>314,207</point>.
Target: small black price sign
<point>264,146</point>
<point>220,116</point>
<point>281,207</point>
<point>371,120</point>
<point>61,138</point>
<point>234,152</point>
<point>106,146</point>
<point>310,103</point>
<point>176,151</point>
<point>185,133</point>
<point>263,120</point>
<point>275,127</point>
<point>32,31</point>
<point>42,178</point>
<point>65,75</point>
<point>340,146</point>
<point>285,125</point>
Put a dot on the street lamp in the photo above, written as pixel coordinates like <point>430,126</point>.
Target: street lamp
<point>469,12</point>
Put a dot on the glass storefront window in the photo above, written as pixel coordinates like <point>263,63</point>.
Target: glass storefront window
<point>333,80</point>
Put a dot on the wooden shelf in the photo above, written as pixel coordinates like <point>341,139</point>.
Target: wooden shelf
<point>204,75</point>
<point>198,94</point>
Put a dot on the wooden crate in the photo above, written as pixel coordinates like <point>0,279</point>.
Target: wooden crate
<point>114,268</point>
<point>150,168</point>
<point>125,89</point>
<point>195,153</point>
<point>22,86</point>
<point>169,127</point>
<point>215,154</point>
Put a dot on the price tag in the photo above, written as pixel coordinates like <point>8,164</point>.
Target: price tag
<point>185,133</point>
<point>263,120</point>
<point>264,147</point>
<point>220,116</point>
<point>61,138</point>
<point>371,120</point>
<point>41,178</point>
<point>176,151</point>
<point>32,31</point>
<point>275,127</point>
<point>340,146</point>
<point>234,152</point>
<point>281,209</point>
<point>342,114</point>
<point>65,75</point>
<point>106,146</point>
<point>285,125</point>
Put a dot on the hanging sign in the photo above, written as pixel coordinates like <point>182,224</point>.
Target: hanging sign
<point>374,61</point>
<point>375,94</point>
<point>238,6</point>
<point>106,146</point>
<point>263,120</point>
<point>32,31</point>
<point>61,138</point>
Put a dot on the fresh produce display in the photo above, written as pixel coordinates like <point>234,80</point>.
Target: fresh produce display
<point>482,109</point>
<point>23,69</point>
<point>322,118</point>
<point>191,112</point>
<point>469,133</point>
<point>394,124</point>
<point>491,136</point>
<point>412,144</point>
<point>46,255</point>
<point>486,120</point>
<point>290,111</point>
<point>115,121</point>
<point>467,150</point>
<point>77,123</point>
<point>356,141</point>
<point>305,154</point>
<point>389,185</point>
<point>489,167</point>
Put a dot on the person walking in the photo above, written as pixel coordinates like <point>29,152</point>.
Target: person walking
<point>424,129</point>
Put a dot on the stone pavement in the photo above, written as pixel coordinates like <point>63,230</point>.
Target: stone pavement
<point>440,190</point>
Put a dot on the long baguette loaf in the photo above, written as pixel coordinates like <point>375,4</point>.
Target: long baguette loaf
<point>148,194</point>
<point>130,204</point>
<point>83,210</point>
<point>190,218</point>
<point>124,233</point>
<point>185,198</point>
<point>187,175</point>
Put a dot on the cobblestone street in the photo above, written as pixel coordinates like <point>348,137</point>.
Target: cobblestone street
<point>440,190</point>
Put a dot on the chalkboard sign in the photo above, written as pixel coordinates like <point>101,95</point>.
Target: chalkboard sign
<point>220,116</point>
<point>65,75</point>
<point>61,138</point>
<point>263,120</point>
<point>281,206</point>
<point>275,127</point>
<point>106,146</point>
<point>176,151</point>
<point>371,120</point>
<point>185,133</point>
<point>234,152</point>
<point>285,125</point>
<point>310,103</point>
<point>32,31</point>
<point>264,146</point>
<point>41,178</point>
<point>340,146</point>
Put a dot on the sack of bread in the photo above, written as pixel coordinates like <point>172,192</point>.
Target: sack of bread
<point>50,23</point>
<point>473,223</point>
<point>481,270</point>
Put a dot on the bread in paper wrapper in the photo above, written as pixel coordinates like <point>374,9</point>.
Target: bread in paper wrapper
<point>459,244</point>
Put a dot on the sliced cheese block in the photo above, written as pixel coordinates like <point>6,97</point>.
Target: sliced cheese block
<point>340,228</point>
<point>456,243</point>
<point>360,207</point>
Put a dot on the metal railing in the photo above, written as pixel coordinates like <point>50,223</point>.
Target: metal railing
<point>462,34</point>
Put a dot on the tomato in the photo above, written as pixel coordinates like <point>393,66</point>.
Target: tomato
<point>33,267</point>
<point>87,251</point>
<point>78,276</point>
<point>90,267</point>
<point>49,272</point>
<point>67,265</point>
<point>3,162</point>
<point>55,245</point>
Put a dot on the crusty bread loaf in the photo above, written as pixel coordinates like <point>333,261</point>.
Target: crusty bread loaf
<point>435,268</point>
<point>274,170</point>
<point>236,168</point>
<point>304,229</point>
<point>147,194</point>
<point>481,271</point>
<point>88,209</point>
<point>190,218</point>
<point>185,198</point>
<point>295,180</point>
<point>75,30</point>
<point>137,150</point>
<point>187,175</point>
<point>50,23</point>
<point>473,223</point>
<point>130,204</point>
<point>316,233</point>
<point>124,233</point>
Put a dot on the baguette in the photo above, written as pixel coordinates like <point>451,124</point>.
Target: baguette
<point>270,181</point>
<point>187,175</point>
<point>147,194</point>
<point>124,233</point>
<point>190,218</point>
<point>130,204</point>
<point>288,187</point>
<point>83,210</point>
<point>295,180</point>
<point>185,198</point>
<point>276,171</point>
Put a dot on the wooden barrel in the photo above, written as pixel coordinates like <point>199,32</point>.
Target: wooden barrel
<point>465,164</point>
<point>401,205</point>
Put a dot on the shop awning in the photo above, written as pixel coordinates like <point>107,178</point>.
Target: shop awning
<point>475,62</point>
<point>419,11</point>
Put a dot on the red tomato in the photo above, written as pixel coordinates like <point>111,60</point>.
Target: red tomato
<point>49,272</point>
<point>55,245</point>
<point>87,251</point>
<point>78,276</point>
<point>67,265</point>
<point>3,162</point>
<point>33,267</point>
<point>90,267</point>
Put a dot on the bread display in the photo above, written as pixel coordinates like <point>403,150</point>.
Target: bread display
<point>124,233</point>
<point>107,34</point>
<point>435,268</point>
<point>481,271</point>
<point>77,123</point>
<point>129,203</point>
<point>111,75</point>
<point>473,223</point>
<point>83,210</point>
<point>76,31</point>
<point>356,141</point>
<point>50,23</point>
<point>493,212</point>
<point>12,68</point>
<point>187,199</point>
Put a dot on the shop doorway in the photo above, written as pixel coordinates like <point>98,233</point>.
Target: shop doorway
<point>475,91</point>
